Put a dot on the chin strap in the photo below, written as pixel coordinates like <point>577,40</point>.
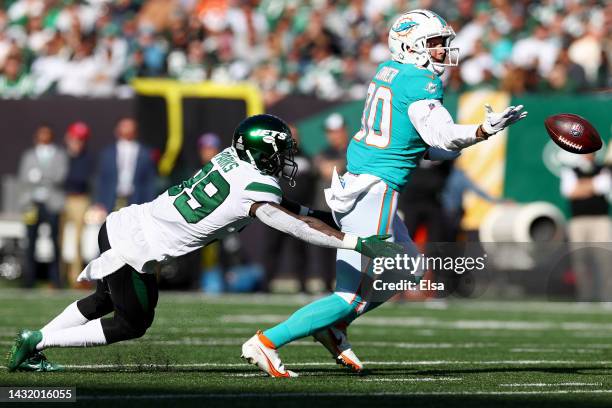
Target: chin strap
<point>251,159</point>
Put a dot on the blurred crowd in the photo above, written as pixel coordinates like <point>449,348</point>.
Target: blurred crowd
<point>325,48</point>
<point>64,188</point>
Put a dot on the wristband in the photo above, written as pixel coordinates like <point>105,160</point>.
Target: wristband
<point>483,133</point>
<point>304,211</point>
<point>350,241</point>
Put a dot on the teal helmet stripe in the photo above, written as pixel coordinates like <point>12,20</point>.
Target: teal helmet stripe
<point>444,23</point>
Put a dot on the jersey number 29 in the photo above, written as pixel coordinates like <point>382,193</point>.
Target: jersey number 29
<point>376,119</point>
<point>207,188</point>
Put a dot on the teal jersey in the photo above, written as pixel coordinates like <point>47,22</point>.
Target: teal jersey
<point>387,145</point>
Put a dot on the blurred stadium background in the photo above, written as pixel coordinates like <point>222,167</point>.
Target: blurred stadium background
<point>75,73</point>
<point>188,71</point>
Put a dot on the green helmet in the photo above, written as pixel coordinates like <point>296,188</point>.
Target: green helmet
<point>266,142</point>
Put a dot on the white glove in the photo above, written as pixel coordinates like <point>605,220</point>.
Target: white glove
<point>496,122</point>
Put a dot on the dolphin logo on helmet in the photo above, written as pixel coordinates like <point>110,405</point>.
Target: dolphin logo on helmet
<point>408,40</point>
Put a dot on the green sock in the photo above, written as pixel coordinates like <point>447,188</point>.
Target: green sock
<point>310,318</point>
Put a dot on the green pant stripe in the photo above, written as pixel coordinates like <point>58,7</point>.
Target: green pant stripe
<point>141,290</point>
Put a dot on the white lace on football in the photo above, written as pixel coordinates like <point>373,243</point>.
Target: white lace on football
<point>569,143</point>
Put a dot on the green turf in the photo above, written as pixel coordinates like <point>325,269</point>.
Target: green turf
<point>417,354</point>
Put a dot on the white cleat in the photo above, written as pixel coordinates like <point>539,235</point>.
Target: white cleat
<point>266,358</point>
<point>335,340</point>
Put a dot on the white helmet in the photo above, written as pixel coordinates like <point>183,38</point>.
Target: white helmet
<point>408,40</point>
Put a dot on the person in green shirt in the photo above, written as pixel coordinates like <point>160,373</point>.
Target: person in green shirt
<point>15,82</point>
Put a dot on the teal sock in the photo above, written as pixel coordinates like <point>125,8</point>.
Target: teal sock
<point>369,307</point>
<point>310,318</point>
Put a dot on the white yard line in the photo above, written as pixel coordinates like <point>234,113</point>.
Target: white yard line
<point>554,350</point>
<point>432,322</point>
<point>424,379</point>
<point>332,394</point>
<point>565,384</point>
<point>562,308</point>
<point>330,363</point>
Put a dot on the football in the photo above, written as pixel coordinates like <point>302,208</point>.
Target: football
<point>573,133</point>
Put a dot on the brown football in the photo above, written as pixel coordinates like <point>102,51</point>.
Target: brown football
<point>573,133</point>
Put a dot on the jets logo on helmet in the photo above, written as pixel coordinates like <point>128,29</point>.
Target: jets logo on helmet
<point>269,133</point>
<point>266,142</point>
<point>408,38</point>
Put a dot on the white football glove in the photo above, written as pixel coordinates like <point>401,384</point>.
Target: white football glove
<point>496,122</point>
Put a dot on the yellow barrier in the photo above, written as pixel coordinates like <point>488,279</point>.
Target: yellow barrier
<point>174,91</point>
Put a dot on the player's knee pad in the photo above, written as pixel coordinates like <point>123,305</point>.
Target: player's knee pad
<point>121,328</point>
<point>95,306</point>
<point>137,326</point>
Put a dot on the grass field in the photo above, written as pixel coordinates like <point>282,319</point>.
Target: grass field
<point>417,354</point>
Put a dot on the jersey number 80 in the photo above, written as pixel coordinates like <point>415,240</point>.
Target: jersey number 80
<point>376,119</point>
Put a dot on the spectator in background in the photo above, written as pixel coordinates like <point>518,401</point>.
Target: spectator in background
<point>250,28</point>
<point>42,171</point>
<point>228,252</point>
<point>190,67</point>
<point>14,81</point>
<point>153,51</point>
<point>457,184</point>
<point>567,76</point>
<point>473,31</point>
<point>421,200</point>
<point>587,186</point>
<point>126,172</point>
<point>77,187</point>
<point>111,58</point>
<point>479,69</point>
<point>323,47</point>
<point>334,156</point>
<point>209,145</point>
<point>536,54</point>
<point>335,153</point>
<point>586,52</point>
<point>49,67</point>
<point>277,242</point>
<point>80,72</point>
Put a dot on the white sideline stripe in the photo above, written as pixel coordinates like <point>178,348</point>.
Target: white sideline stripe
<point>333,394</point>
<point>306,343</point>
<point>432,322</point>
<point>414,346</point>
<point>373,363</point>
<point>425,379</point>
<point>562,308</point>
<point>260,374</point>
<point>566,384</point>
<point>552,350</point>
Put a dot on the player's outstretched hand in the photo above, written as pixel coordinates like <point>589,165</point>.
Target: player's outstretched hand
<point>498,121</point>
<point>376,246</point>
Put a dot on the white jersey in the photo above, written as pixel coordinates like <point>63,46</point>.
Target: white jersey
<point>215,202</point>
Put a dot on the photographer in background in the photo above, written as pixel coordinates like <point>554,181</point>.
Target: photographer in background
<point>334,155</point>
<point>77,185</point>
<point>126,172</point>
<point>277,242</point>
<point>42,171</point>
<point>586,186</point>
